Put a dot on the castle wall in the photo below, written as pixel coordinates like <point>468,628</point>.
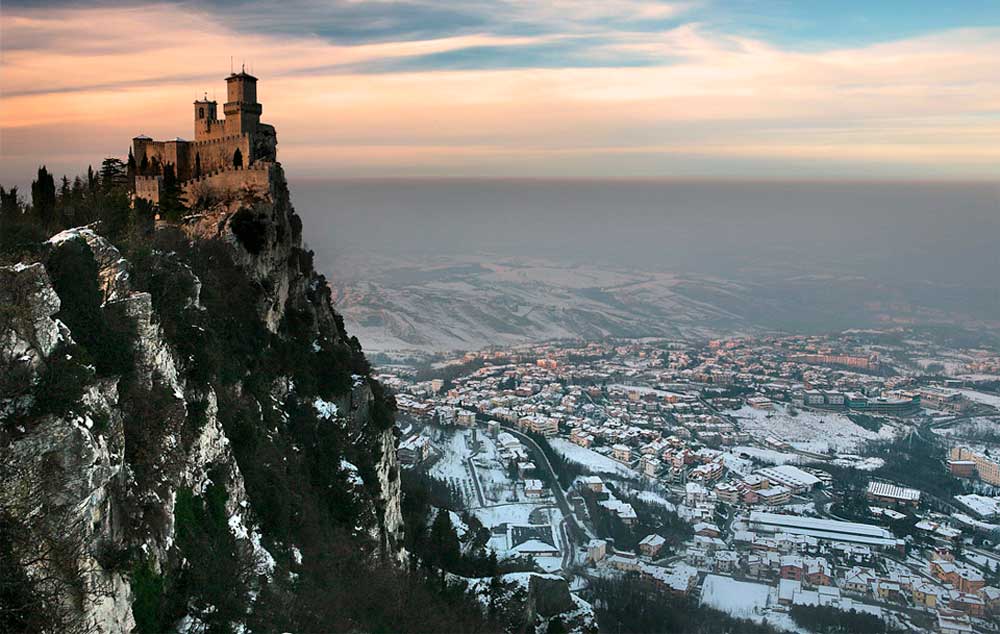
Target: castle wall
<point>217,153</point>
<point>258,178</point>
<point>148,187</point>
<point>174,152</point>
<point>217,129</point>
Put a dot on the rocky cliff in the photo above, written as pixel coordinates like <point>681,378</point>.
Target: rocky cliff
<point>185,426</point>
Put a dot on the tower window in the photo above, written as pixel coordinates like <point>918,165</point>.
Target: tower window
<point>201,112</point>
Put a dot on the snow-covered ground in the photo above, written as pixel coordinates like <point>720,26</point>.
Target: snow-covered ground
<point>451,466</point>
<point>741,599</point>
<point>972,427</point>
<point>651,497</point>
<point>769,455</point>
<point>477,300</point>
<point>808,430</point>
<point>628,491</point>
<point>506,513</point>
<point>590,459</point>
<point>643,390</point>
<point>466,459</point>
<point>982,397</point>
<point>857,462</point>
<point>737,464</point>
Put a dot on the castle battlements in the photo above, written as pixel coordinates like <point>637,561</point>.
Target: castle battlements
<point>237,143</point>
<point>258,166</point>
<point>223,139</point>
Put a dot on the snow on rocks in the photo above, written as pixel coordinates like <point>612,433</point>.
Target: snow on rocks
<point>325,409</point>
<point>353,474</point>
<point>265,562</point>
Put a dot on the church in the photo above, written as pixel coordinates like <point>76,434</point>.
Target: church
<point>239,141</point>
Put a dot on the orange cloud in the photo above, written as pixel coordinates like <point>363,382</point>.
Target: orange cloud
<point>921,104</point>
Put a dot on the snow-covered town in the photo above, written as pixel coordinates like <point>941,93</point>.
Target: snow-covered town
<point>770,478</point>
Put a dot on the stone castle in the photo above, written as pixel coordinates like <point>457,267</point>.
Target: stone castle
<point>225,153</point>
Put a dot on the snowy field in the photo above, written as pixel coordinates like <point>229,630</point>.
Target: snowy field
<point>651,497</point>
<point>451,466</point>
<point>590,459</point>
<point>808,431</point>
<point>858,462</point>
<point>972,428</point>
<point>769,455</point>
<point>982,397</point>
<point>740,599</point>
<point>492,516</point>
<point>494,480</point>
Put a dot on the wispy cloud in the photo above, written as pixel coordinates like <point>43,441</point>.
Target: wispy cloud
<point>499,87</point>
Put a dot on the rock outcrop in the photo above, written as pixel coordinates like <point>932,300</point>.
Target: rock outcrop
<point>102,457</point>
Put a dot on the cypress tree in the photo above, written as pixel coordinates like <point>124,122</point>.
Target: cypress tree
<point>43,197</point>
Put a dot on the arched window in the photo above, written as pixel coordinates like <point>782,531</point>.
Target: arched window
<point>237,158</point>
<point>201,112</point>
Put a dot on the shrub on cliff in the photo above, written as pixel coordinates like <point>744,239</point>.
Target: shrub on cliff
<point>106,338</point>
<point>250,230</point>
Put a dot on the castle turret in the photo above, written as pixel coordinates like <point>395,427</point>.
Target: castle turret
<point>205,118</point>
<point>242,107</point>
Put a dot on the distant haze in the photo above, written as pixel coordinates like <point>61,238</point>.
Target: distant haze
<point>461,264</point>
<point>897,233</point>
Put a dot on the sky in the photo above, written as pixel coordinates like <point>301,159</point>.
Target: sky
<point>781,89</point>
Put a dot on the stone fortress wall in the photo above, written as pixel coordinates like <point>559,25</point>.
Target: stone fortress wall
<point>257,178</point>
<point>148,187</point>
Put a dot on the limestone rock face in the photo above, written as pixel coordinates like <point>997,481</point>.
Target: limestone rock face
<point>27,326</point>
<point>73,480</point>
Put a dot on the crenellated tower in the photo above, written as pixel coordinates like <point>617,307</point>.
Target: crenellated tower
<point>242,108</point>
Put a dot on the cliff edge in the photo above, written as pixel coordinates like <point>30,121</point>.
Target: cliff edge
<point>186,428</point>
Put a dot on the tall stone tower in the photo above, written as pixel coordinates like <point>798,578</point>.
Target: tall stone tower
<point>242,107</point>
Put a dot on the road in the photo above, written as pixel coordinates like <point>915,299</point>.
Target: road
<point>557,491</point>
<point>576,530</point>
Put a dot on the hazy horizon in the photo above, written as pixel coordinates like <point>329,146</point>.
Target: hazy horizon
<point>948,226</point>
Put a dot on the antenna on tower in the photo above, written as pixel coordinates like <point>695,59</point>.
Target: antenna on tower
<point>230,64</point>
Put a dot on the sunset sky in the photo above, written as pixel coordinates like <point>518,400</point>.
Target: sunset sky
<point>507,88</point>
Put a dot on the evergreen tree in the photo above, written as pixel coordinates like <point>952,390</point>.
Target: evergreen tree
<point>64,190</point>
<point>43,197</point>
<point>113,173</point>
<point>130,168</point>
<point>10,206</point>
<point>443,547</point>
<point>170,198</point>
